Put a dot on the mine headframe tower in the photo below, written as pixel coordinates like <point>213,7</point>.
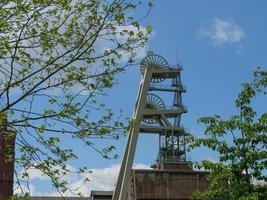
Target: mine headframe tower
<point>160,82</point>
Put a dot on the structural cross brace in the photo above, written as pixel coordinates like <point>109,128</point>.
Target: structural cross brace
<point>152,116</point>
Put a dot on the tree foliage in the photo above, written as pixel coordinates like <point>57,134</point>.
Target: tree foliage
<point>56,58</point>
<point>240,142</point>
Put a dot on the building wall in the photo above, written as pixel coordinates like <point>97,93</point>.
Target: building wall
<point>6,168</point>
<point>166,184</point>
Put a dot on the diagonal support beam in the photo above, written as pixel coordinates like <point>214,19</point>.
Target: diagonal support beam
<point>127,162</point>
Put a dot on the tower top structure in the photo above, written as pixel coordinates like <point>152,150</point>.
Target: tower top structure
<point>162,116</point>
<point>158,110</point>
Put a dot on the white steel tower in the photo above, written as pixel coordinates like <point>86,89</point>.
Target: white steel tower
<point>154,115</point>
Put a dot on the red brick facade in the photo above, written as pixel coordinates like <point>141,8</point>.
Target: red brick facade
<point>175,183</point>
<point>168,165</point>
<point>6,168</point>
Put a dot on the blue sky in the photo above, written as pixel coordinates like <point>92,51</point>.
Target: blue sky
<point>219,44</point>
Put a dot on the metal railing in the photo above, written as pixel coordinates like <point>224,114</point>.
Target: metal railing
<point>169,107</point>
<point>177,67</point>
<point>167,86</point>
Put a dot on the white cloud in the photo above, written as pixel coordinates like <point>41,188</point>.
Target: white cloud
<point>36,174</point>
<point>222,32</point>
<point>258,182</point>
<point>100,179</point>
<point>22,189</point>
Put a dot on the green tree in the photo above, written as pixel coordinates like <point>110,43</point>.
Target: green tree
<point>56,58</point>
<point>240,142</point>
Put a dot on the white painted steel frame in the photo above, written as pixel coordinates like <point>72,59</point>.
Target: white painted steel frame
<point>122,185</point>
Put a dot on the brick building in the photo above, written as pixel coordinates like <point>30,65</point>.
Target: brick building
<point>7,144</point>
<point>176,181</point>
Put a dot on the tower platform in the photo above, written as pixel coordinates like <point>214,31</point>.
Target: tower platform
<point>176,181</point>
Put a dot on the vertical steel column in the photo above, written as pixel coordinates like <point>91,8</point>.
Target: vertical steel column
<point>122,185</point>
